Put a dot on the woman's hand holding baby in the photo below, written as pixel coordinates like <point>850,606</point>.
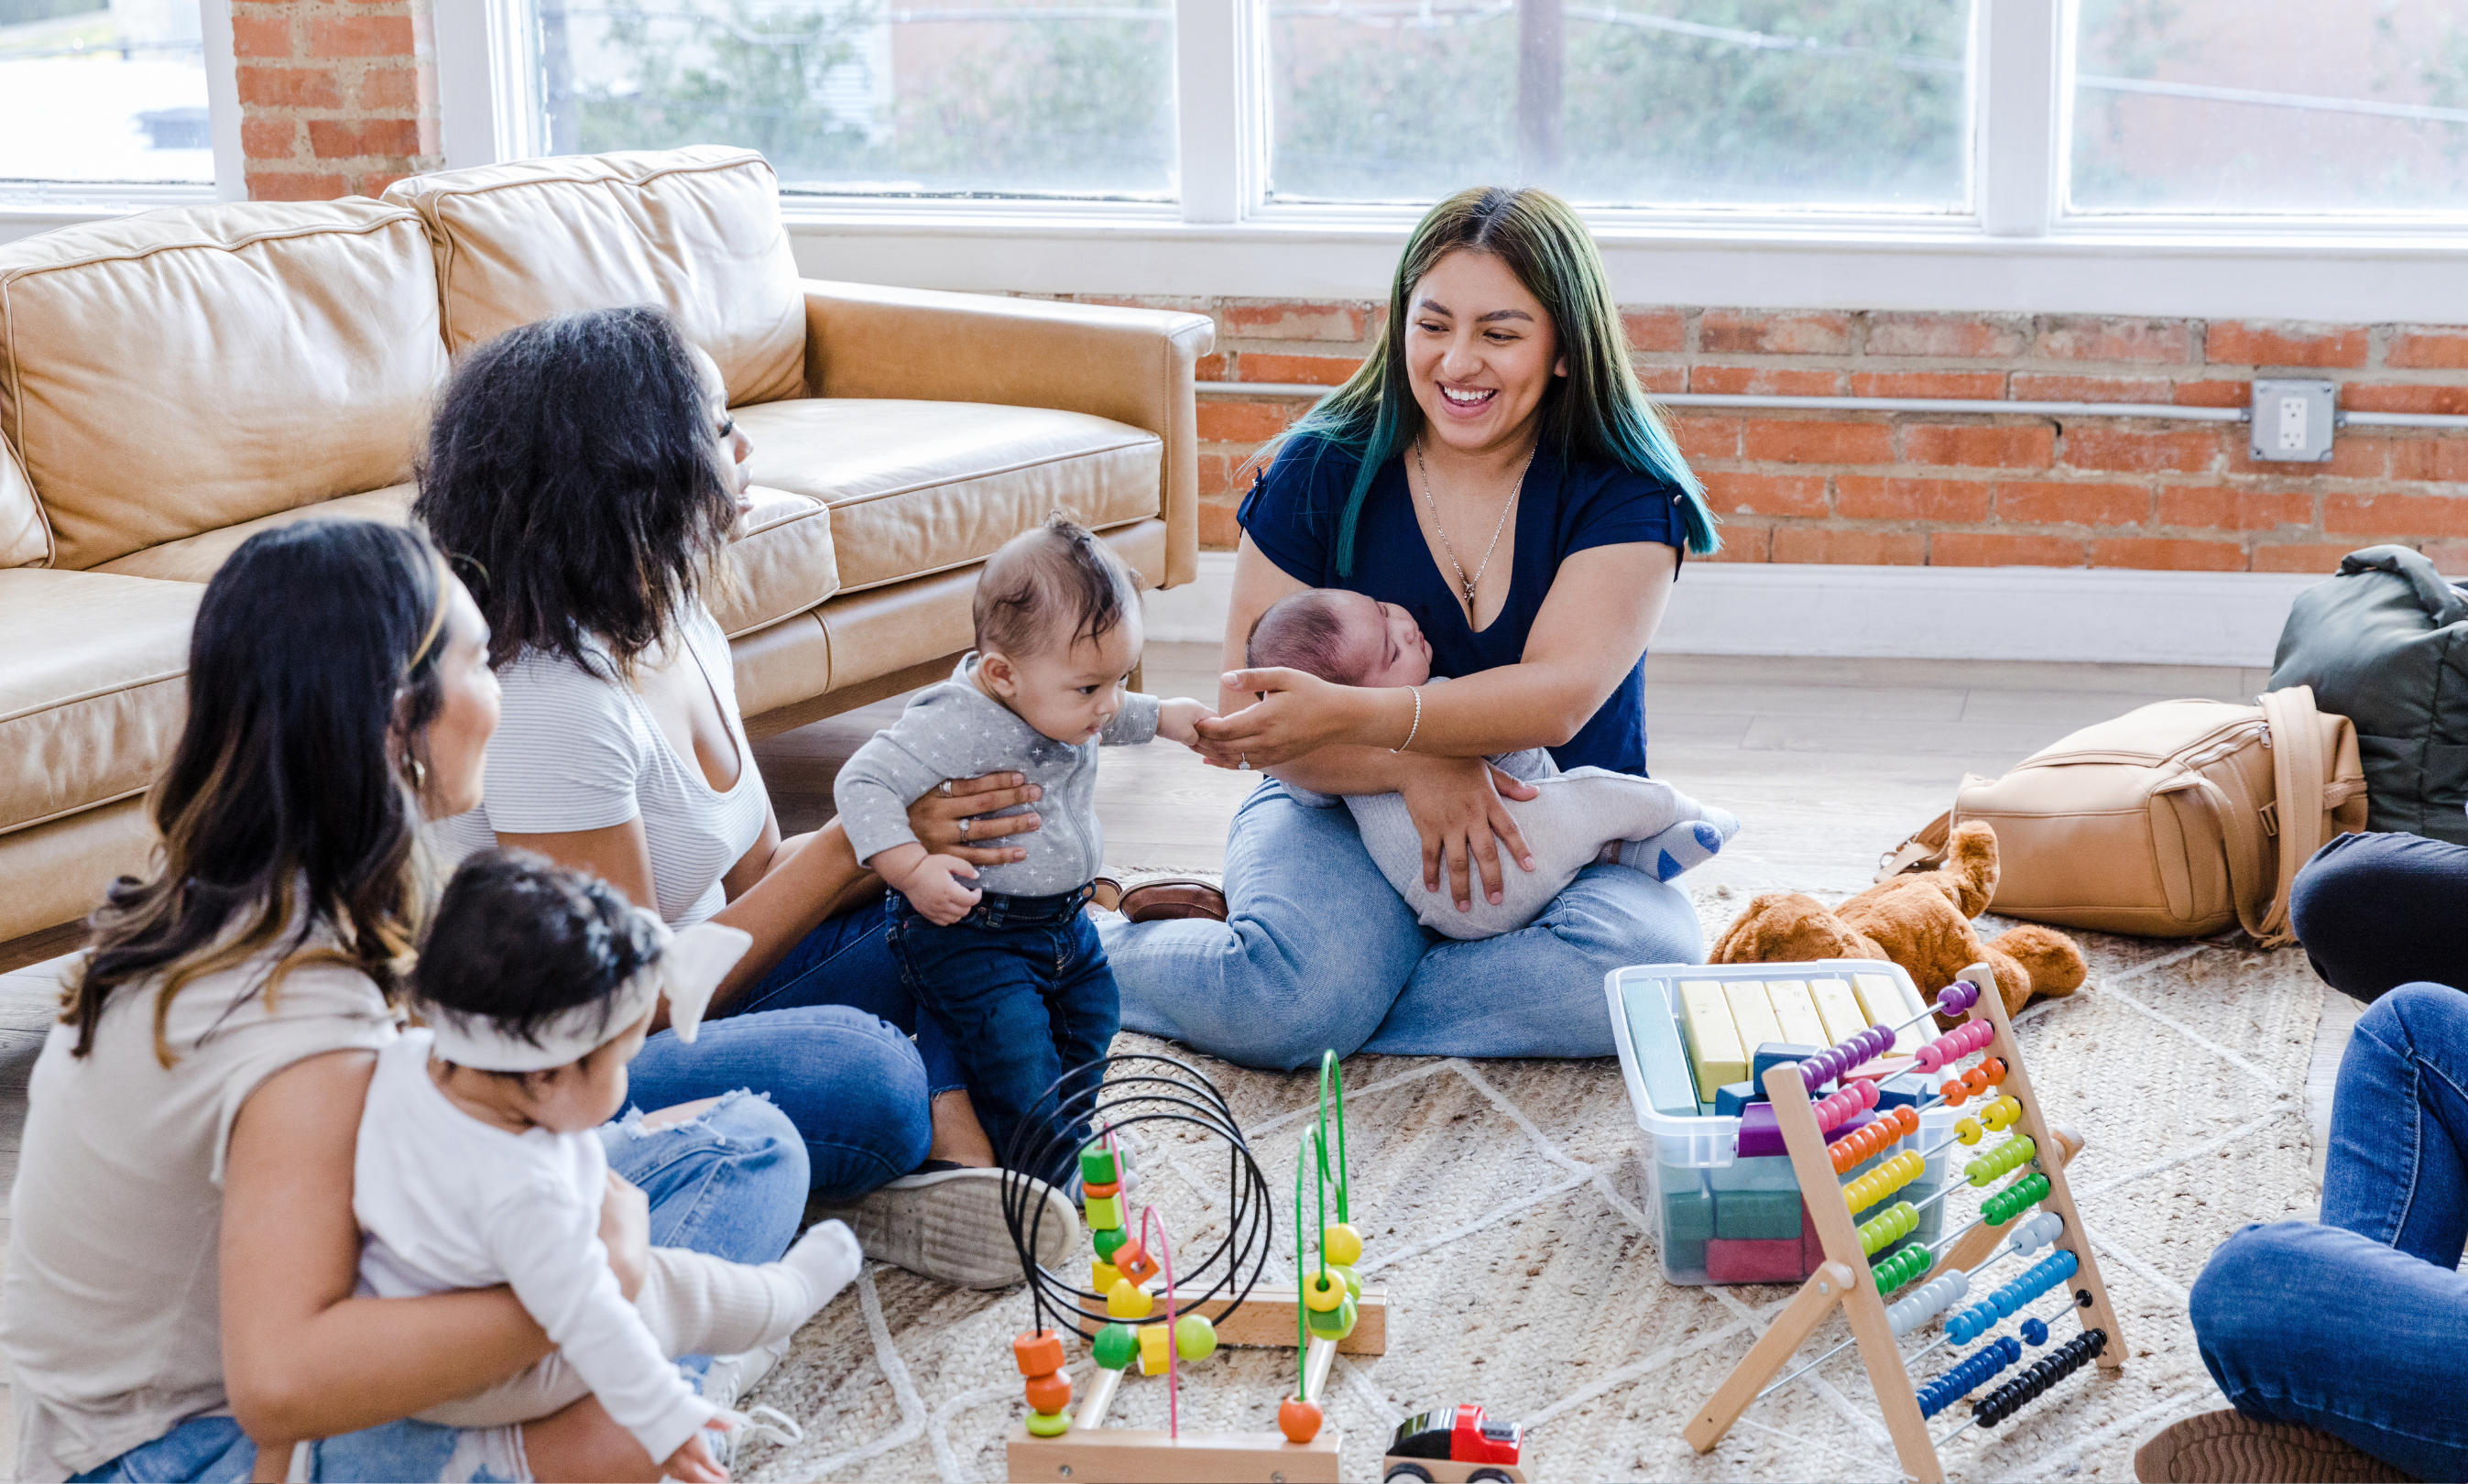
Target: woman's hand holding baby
<point>935,817</point>
<point>929,881</point>
<point>1457,810</point>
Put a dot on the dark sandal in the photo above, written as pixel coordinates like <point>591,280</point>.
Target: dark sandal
<point>1174,897</point>
<point>1105,892</point>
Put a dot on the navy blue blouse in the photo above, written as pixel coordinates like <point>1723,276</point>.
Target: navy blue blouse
<point>1291,516</point>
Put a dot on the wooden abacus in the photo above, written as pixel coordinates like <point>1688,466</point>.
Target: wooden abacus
<point>1847,1280</point>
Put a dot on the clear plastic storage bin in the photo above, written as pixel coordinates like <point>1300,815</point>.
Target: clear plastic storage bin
<point>1719,1218</point>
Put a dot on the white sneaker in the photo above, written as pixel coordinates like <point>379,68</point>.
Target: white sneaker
<point>948,1226</point>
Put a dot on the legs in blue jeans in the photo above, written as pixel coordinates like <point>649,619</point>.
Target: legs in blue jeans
<point>1320,952</point>
<point>2378,910</point>
<point>847,961</point>
<point>2353,1325</point>
<point>1022,1002</point>
<point>851,1083</point>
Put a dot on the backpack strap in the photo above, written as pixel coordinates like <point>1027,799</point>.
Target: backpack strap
<point>2301,776</point>
<point>1923,851</point>
<point>2243,843</point>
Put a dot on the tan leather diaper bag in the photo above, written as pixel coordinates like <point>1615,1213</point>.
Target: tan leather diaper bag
<point>2175,820</point>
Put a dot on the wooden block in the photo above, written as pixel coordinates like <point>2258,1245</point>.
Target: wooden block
<point>1889,1002</point>
<point>1267,1319</point>
<point>1796,1010</point>
<point>1751,1012</point>
<point>1662,1060</point>
<point>1125,1455</point>
<point>1839,1008</point>
<point>1714,1049</point>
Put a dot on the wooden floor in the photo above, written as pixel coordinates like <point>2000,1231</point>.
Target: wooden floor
<point>1828,762</point>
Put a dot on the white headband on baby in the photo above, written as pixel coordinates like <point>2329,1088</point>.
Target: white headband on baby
<point>688,966</point>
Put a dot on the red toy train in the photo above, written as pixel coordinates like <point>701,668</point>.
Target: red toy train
<point>1453,1445</point>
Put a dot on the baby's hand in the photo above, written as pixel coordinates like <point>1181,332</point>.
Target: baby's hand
<point>1176,718</point>
<point>692,1464</point>
<point>932,888</point>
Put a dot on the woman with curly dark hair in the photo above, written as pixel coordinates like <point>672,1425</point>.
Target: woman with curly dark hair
<point>586,472</point>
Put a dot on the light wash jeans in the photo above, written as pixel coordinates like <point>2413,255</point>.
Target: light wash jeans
<point>2353,1324</point>
<point>1320,954</point>
<point>731,1183</point>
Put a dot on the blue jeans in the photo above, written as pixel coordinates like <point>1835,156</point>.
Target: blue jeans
<point>824,1035</point>
<point>2353,1324</point>
<point>731,1183</point>
<point>1022,990</point>
<point>1320,954</point>
<point>2378,910</point>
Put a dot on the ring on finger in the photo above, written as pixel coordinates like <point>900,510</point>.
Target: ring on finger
<point>964,827</point>
<point>1247,761</point>
<point>947,788</point>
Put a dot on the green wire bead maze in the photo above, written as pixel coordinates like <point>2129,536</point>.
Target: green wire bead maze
<point>1932,1281</point>
<point>1142,1309</point>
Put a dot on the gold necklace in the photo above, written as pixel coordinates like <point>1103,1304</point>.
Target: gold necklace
<point>1432,506</point>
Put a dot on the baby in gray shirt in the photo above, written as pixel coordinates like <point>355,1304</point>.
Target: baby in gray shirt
<point>1001,956</point>
<point>1580,817</point>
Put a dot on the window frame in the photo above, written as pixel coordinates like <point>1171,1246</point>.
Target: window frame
<point>30,207</point>
<point>2017,249</point>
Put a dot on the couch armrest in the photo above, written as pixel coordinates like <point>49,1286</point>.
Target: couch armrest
<point>1134,366</point>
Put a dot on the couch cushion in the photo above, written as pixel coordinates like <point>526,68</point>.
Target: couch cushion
<point>179,371</point>
<point>93,687</point>
<point>194,559</point>
<point>780,557</point>
<point>698,230</point>
<point>918,487</point>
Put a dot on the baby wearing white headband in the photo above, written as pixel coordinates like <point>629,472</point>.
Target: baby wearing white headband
<point>481,1161</point>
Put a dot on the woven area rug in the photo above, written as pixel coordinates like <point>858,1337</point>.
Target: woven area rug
<point>1501,1202</point>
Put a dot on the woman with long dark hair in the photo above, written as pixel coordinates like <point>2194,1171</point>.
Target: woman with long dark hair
<point>1494,470</point>
<point>586,472</point>
<point>182,1254</point>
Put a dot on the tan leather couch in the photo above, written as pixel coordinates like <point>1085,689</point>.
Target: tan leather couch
<point>172,383</point>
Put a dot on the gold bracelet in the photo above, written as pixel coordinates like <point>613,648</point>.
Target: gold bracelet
<point>1418,720</point>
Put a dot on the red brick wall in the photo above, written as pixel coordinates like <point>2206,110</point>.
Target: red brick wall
<point>337,97</point>
<point>1964,490</point>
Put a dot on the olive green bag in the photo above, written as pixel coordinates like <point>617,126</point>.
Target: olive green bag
<point>2385,645</point>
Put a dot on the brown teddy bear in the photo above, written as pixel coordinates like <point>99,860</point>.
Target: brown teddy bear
<point>1921,922</point>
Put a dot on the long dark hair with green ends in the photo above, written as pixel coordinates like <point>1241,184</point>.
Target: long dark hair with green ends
<point>1596,412</point>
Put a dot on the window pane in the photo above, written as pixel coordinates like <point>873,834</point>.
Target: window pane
<point>2270,106</point>
<point>976,97</point>
<point>96,93</point>
<point>1638,102</point>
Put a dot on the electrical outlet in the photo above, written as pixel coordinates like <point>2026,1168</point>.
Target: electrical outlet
<point>2292,421</point>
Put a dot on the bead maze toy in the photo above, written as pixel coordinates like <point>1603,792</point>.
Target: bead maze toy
<point>1218,1299</point>
<point>1933,1278</point>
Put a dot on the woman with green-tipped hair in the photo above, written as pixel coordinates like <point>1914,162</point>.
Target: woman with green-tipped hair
<point>1495,474</point>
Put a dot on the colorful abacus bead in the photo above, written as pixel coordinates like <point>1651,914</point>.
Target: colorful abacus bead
<point>1836,1108</point>
<point>2037,1232</point>
<point>2015,1199</point>
<point>1298,1420</point>
<point>1929,1300</point>
<point>1966,1375</point>
<point>1333,1323</point>
<point>1901,1268</point>
<point>1878,1233</point>
<point>1995,1067</point>
<point>2034,1332</point>
<point>1884,1179</point>
<point>1322,1291</point>
<point>1975,1078</point>
<point>1102,1276</point>
<point>1107,1241</point>
<point>1100,1192</point>
<point>2038,1279</point>
<point>1957,997</point>
<point>1049,1393</point>
<point>1871,1137</point>
<point>1132,1262</point>
<point>1153,1339</point>
<point>1353,1283</point>
<point>2030,1386</point>
<point>1968,1130</point>
<point>1097,1165</point>
<point>1039,1356</point>
<point>1341,1245</point>
<point>2001,1113</point>
<point>1104,1212</point>
<point>1954,1093</point>
<point>2004,1159</point>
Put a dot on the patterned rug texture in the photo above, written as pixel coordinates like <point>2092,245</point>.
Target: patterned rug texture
<point>1502,1207</point>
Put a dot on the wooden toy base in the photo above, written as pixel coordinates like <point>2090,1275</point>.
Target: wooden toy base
<point>1267,1319</point>
<point>1122,1455</point>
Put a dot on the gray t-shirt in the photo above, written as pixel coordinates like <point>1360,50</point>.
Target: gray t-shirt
<point>955,730</point>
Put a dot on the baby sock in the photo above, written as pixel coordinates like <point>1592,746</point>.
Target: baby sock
<point>826,1259</point>
<point>1691,842</point>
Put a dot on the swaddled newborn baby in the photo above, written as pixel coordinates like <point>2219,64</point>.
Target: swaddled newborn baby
<point>1578,818</point>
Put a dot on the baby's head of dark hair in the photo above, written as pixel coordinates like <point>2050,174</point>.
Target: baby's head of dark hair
<point>518,941</point>
<point>1308,631</point>
<point>1051,587</point>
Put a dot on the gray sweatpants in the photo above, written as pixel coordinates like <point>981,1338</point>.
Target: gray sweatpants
<point>1575,815</point>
